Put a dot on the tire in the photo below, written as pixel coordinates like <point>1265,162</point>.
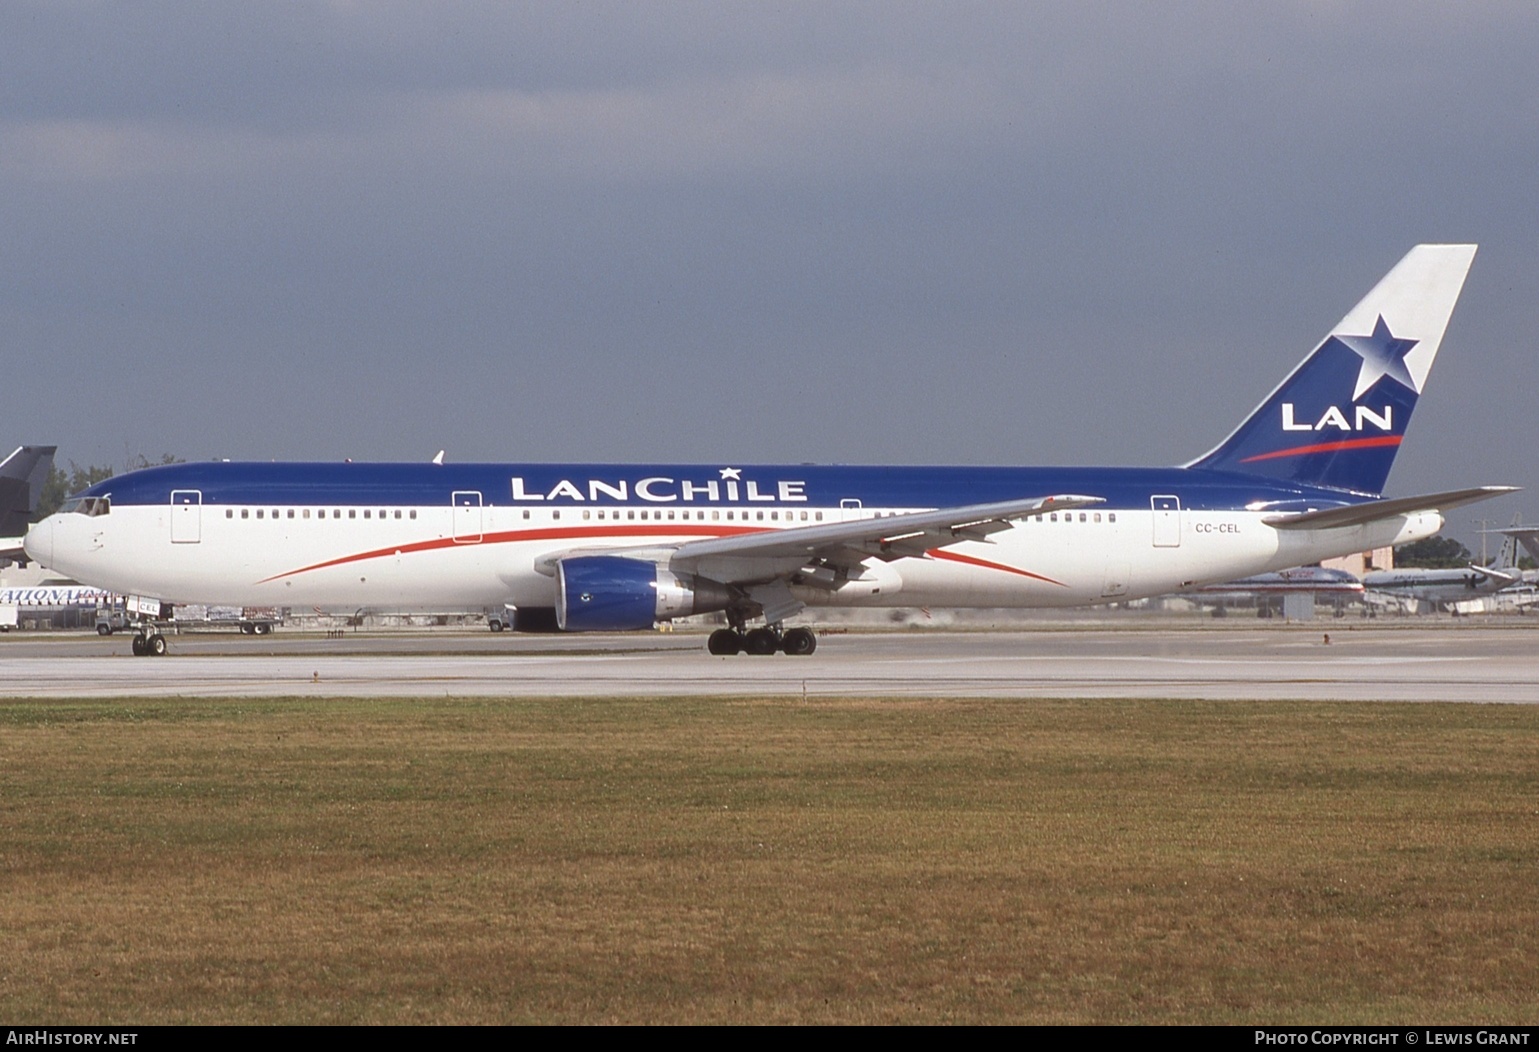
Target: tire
<point>496,626</point>
<point>724,642</point>
<point>261,628</point>
<point>156,646</point>
<point>799,642</point>
<point>760,641</point>
<point>104,630</point>
<point>138,646</point>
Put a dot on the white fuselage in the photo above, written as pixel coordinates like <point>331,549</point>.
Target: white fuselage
<point>440,557</point>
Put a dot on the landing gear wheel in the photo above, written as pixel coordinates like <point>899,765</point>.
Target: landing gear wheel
<point>799,642</point>
<point>724,641</point>
<point>760,641</point>
<point>155,646</point>
<point>138,647</point>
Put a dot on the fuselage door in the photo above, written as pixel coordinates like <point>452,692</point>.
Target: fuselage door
<point>186,516</point>
<point>1167,521</point>
<point>467,516</point>
<point>850,510</point>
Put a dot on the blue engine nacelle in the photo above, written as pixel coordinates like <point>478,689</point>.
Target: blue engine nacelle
<point>608,593</point>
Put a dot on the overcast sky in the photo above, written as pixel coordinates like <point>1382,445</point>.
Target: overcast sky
<point>863,232</point>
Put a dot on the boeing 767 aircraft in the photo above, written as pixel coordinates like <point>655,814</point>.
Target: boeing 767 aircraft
<point>603,547</point>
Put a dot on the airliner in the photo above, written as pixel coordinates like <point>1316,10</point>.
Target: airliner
<point>1317,581</point>
<point>607,547</point>
<point>1439,588</point>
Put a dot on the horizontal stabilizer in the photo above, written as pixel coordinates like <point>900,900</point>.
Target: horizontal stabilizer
<point>1378,510</point>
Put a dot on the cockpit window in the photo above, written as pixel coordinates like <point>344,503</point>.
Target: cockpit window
<point>90,506</point>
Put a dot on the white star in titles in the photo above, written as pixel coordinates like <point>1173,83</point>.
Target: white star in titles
<point>732,473</point>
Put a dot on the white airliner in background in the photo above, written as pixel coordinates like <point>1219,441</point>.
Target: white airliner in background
<point>601,547</point>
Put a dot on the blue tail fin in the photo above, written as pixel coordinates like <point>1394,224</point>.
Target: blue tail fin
<point>1339,418</point>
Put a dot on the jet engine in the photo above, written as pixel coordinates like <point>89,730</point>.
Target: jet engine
<point>610,593</point>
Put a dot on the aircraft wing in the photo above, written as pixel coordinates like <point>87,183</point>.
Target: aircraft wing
<point>1374,511</point>
<point>763,563</point>
<point>890,537</point>
<point>764,555</point>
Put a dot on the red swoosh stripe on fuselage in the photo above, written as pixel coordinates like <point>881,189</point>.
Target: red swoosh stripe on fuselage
<point>936,553</point>
<point>563,533</point>
<point>1328,447</point>
<point>569,533</point>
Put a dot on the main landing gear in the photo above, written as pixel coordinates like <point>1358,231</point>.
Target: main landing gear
<point>148,642</point>
<point>767,640</point>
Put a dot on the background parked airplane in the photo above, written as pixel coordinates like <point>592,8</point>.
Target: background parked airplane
<point>611,547</point>
<point>1429,589</point>
<point>1268,590</point>
<point>22,476</point>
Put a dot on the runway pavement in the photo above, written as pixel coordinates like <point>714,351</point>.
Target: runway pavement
<point>1442,662</point>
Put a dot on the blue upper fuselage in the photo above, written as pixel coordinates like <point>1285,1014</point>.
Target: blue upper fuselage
<point>599,485</point>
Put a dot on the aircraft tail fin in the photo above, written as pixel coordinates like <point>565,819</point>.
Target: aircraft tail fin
<point>22,475</point>
<point>1340,416</point>
<point>1527,536</point>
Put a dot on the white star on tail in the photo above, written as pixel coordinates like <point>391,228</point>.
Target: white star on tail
<point>1383,355</point>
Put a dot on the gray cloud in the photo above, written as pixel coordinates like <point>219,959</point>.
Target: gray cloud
<point>1002,233</point>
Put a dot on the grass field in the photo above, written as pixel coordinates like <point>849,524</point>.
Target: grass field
<point>688,860</point>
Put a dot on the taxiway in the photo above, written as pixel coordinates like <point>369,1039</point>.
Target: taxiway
<point>1402,663</point>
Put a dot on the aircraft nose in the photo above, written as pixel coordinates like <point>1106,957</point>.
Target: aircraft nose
<point>38,543</point>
